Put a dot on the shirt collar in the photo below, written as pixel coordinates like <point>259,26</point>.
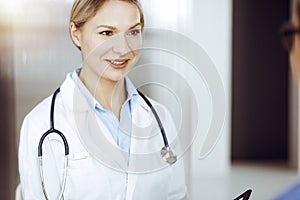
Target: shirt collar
<point>132,93</point>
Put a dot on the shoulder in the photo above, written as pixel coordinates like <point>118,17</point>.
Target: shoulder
<point>159,108</point>
<point>38,113</point>
<point>41,112</point>
<point>38,119</point>
<point>145,115</point>
<point>155,104</point>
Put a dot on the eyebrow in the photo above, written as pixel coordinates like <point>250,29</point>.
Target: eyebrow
<point>114,28</point>
<point>139,23</point>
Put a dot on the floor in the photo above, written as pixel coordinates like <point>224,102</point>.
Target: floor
<point>267,180</point>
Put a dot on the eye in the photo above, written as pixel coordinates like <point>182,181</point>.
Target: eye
<point>134,32</point>
<point>106,33</point>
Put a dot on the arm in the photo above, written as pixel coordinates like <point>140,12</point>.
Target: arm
<point>28,163</point>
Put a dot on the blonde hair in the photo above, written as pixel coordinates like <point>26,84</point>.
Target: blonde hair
<point>83,10</point>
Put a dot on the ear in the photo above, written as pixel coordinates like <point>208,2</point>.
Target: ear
<point>75,34</point>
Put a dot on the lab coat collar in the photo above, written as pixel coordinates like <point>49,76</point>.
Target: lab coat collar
<point>76,103</point>
<point>72,98</point>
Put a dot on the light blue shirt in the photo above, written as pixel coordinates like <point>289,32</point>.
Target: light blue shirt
<point>120,130</point>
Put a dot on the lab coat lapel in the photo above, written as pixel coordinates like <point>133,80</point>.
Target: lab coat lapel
<point>138,114</point>
<point>146,140</point>
<point>141,127</point>
<point>141,124</point>
<point>88,128</point>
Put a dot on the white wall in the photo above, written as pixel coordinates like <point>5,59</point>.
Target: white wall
<point>43,52</point>
<point>212,30</point>
<point>208,23</point>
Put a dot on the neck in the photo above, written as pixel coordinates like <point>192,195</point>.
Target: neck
<point>110,94</point>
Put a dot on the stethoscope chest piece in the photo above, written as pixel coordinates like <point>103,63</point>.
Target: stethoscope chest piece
<point>168,155</point>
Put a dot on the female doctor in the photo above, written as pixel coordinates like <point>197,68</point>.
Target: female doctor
<point>97,104</point>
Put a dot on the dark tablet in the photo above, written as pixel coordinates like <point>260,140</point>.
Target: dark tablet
<point>244,196</point>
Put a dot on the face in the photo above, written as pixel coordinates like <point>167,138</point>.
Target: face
<point>295,52</point>
<point>110,42</point>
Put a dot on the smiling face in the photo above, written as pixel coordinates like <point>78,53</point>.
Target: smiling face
<point>110,41</point>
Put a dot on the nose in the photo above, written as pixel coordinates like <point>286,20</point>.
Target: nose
<point>121,45</point>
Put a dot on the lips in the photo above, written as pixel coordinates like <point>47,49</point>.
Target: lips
<point>118,63</point>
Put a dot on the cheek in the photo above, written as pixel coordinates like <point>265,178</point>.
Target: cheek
<point>86,48</point>
<point>90,43</point>
<point>136,57</point>
<point>135,44</point>
<point>95,49</point>
<point>137,52</point>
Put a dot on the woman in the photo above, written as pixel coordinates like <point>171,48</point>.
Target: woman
<point>108,34</point>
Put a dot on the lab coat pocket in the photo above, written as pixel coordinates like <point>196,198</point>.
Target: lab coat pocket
<point>85,178</point>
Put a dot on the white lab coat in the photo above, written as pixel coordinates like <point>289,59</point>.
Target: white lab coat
<point>88,178</point>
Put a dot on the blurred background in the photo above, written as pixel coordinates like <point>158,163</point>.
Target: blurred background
<point>259,145</point>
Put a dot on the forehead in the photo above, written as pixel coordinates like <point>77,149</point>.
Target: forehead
<point>116,13</point>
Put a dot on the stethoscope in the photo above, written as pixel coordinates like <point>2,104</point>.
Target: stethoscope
<point>167,153</point>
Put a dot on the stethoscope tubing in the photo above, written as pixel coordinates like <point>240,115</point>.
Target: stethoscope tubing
<point>40,150</point>
<point>162,130</point>
<point>52,129</point>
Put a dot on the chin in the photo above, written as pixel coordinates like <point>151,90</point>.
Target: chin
<point>115,77</point>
